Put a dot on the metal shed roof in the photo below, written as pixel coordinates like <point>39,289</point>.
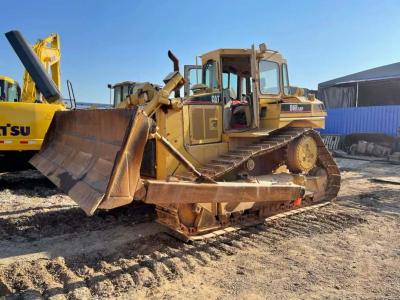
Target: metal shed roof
<point>379,73</point>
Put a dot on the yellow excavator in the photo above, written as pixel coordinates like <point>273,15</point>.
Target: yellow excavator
<point>25,115</point>
<point>238,147</point>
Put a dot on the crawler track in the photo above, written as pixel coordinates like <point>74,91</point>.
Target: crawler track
<point>234,160</point>
<point>276,142</point>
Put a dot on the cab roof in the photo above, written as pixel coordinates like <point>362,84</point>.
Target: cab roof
<point>268,54</point>
<point>8,79</point>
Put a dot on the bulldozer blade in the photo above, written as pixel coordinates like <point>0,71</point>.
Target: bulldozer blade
<point>94,156</point>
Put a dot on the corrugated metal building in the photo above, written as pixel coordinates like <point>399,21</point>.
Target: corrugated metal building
<point>363,102</point>
<point>377,86</point>
<point>372,119</point>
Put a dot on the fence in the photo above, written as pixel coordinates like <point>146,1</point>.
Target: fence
<point>372,119</point>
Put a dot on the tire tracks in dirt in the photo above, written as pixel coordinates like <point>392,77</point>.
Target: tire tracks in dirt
<point>150,261</point>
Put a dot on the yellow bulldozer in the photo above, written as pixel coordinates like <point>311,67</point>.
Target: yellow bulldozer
<point>25,115</point>
<point>238,147</point>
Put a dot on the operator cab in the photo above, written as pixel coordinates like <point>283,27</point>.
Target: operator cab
<point>121,90</point>
<point>237,79</point>
<point>9,90</point>
<point>144,91</point>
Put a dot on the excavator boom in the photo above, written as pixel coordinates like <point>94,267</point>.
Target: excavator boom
<point>34,67</point>
<point>48,52</point>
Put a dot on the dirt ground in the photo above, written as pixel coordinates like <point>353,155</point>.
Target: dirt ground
<point>350,249</point>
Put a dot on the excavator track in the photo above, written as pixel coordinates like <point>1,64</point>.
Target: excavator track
<point>234,160</point>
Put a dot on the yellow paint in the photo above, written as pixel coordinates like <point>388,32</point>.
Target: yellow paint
<point>20,115</point>
<point>27,117</point>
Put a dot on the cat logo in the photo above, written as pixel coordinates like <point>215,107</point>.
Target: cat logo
<point>215,98</point>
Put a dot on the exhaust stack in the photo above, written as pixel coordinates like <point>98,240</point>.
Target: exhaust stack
<point>44,83</point>
<point>175,61</point>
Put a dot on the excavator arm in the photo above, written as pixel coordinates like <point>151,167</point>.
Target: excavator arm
<point>49,54</point>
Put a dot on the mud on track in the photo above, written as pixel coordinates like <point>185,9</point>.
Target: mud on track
<point>50,249</point>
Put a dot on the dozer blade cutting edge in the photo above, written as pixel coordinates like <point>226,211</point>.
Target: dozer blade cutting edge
<point>95,155</point>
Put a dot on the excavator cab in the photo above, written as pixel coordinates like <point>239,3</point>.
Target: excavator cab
<point>10,90</point>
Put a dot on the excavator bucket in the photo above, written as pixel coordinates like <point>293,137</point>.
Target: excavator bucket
<point>95,155</point>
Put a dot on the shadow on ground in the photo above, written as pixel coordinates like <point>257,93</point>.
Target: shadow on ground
<point>15,161</point>
<point>50,223</point>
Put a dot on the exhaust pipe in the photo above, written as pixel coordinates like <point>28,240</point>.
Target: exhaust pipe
<point>44,83</point>
<point>176,69</point>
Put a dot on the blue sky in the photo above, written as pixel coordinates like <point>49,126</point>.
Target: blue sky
<point>109,41</point>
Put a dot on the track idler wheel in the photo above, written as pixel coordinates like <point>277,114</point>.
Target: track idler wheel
<point>302,155</point>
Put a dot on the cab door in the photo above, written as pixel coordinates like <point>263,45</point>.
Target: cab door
<point>202,111</point>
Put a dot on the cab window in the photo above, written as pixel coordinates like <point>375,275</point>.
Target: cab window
<point>269,77</point>
<point>229,80</point>
<point>229,86</point>
<point>247,87</point>
<point>13,93</point>
<point>195,77</point>
<point>117,95</point>
<point>9,91</point>
<point>125,92</point>
<point>233,82</point>
<point>225,80</point>
<point>2,90</point>
<point>209,74</point>
<point>285,75</point>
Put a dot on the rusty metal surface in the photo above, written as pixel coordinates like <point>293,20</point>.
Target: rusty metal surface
<point>188,192</point>
<point>94,155</point>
